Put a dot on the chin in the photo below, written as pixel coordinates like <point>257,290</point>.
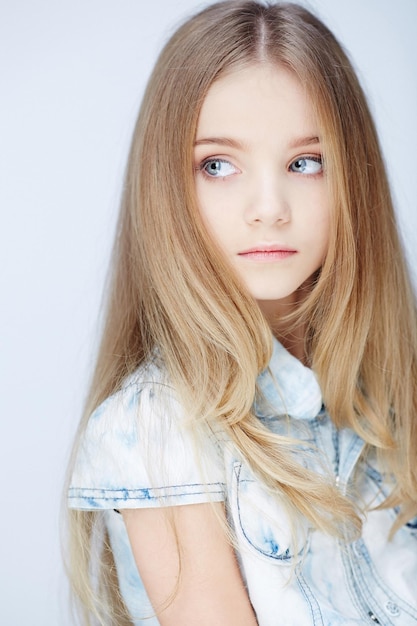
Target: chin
<point>274,295</point>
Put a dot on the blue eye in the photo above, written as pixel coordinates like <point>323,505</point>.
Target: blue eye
<point>307,165</point>
<point>217,168</point>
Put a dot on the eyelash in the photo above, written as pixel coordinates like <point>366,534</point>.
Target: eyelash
<point>202,167</point>
<point>317,158</point>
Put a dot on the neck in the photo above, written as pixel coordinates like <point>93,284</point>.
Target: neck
<point>290,333</point>
<point>293,339</point>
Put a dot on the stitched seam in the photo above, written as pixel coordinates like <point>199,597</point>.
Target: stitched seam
<point>276,557</point>
<point>362,581</point>
<point>310,599</point>
<point>146,493</point>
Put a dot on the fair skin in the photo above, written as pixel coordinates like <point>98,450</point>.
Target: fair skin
<point>263,198</point>
<point>209,590</point>
<point>261,187</point>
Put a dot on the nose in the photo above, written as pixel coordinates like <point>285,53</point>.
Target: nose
<point>268,203</point>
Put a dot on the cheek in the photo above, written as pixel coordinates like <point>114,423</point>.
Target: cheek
<point>320,215</point>
<point>216,223</point>
<point>316,227</point>
<point>220,232</point>
<point>207,202</point>
<point>215,209</point>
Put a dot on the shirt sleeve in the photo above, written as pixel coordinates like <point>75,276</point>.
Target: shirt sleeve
<point>138,450</point>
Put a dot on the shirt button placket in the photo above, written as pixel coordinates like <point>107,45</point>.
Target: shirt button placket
<point>373,618</point>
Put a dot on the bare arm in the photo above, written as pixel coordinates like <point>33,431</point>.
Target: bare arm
<point>191,556</point>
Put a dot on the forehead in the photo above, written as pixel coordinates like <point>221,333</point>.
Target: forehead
<point>254,99</point>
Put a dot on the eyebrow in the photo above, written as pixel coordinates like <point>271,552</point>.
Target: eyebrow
<point>235,143</point>
<point>305,141</point>
<point>220,141</point>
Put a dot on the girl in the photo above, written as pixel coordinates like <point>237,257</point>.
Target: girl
<point>248,451</point>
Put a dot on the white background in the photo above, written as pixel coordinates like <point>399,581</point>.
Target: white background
<point>71,77</point>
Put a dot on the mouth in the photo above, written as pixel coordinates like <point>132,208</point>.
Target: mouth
<point>270,252</point>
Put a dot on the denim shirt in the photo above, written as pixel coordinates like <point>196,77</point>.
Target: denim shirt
<point>138,451</point>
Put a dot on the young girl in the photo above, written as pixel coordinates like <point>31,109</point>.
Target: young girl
<point>248,451</point>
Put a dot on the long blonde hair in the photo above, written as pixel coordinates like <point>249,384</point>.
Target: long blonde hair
<point>360,315</point>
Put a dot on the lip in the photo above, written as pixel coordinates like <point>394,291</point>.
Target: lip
<point>268,252</point>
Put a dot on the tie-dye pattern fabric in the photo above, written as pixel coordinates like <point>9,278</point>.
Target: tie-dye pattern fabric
<point>138,451</point>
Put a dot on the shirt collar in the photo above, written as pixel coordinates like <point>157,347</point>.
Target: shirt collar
<point>287,387</point>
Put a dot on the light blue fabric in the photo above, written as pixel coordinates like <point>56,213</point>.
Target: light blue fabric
<point>138,451</point>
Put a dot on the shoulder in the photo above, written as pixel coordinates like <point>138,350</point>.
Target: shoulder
<point>139,448</point>
<point>142,395</point>
<point>142,407</point>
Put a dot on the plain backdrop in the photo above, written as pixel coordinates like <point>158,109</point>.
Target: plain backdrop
<point>71,77</point>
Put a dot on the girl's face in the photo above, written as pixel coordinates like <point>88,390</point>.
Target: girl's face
<point>260,184</point>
